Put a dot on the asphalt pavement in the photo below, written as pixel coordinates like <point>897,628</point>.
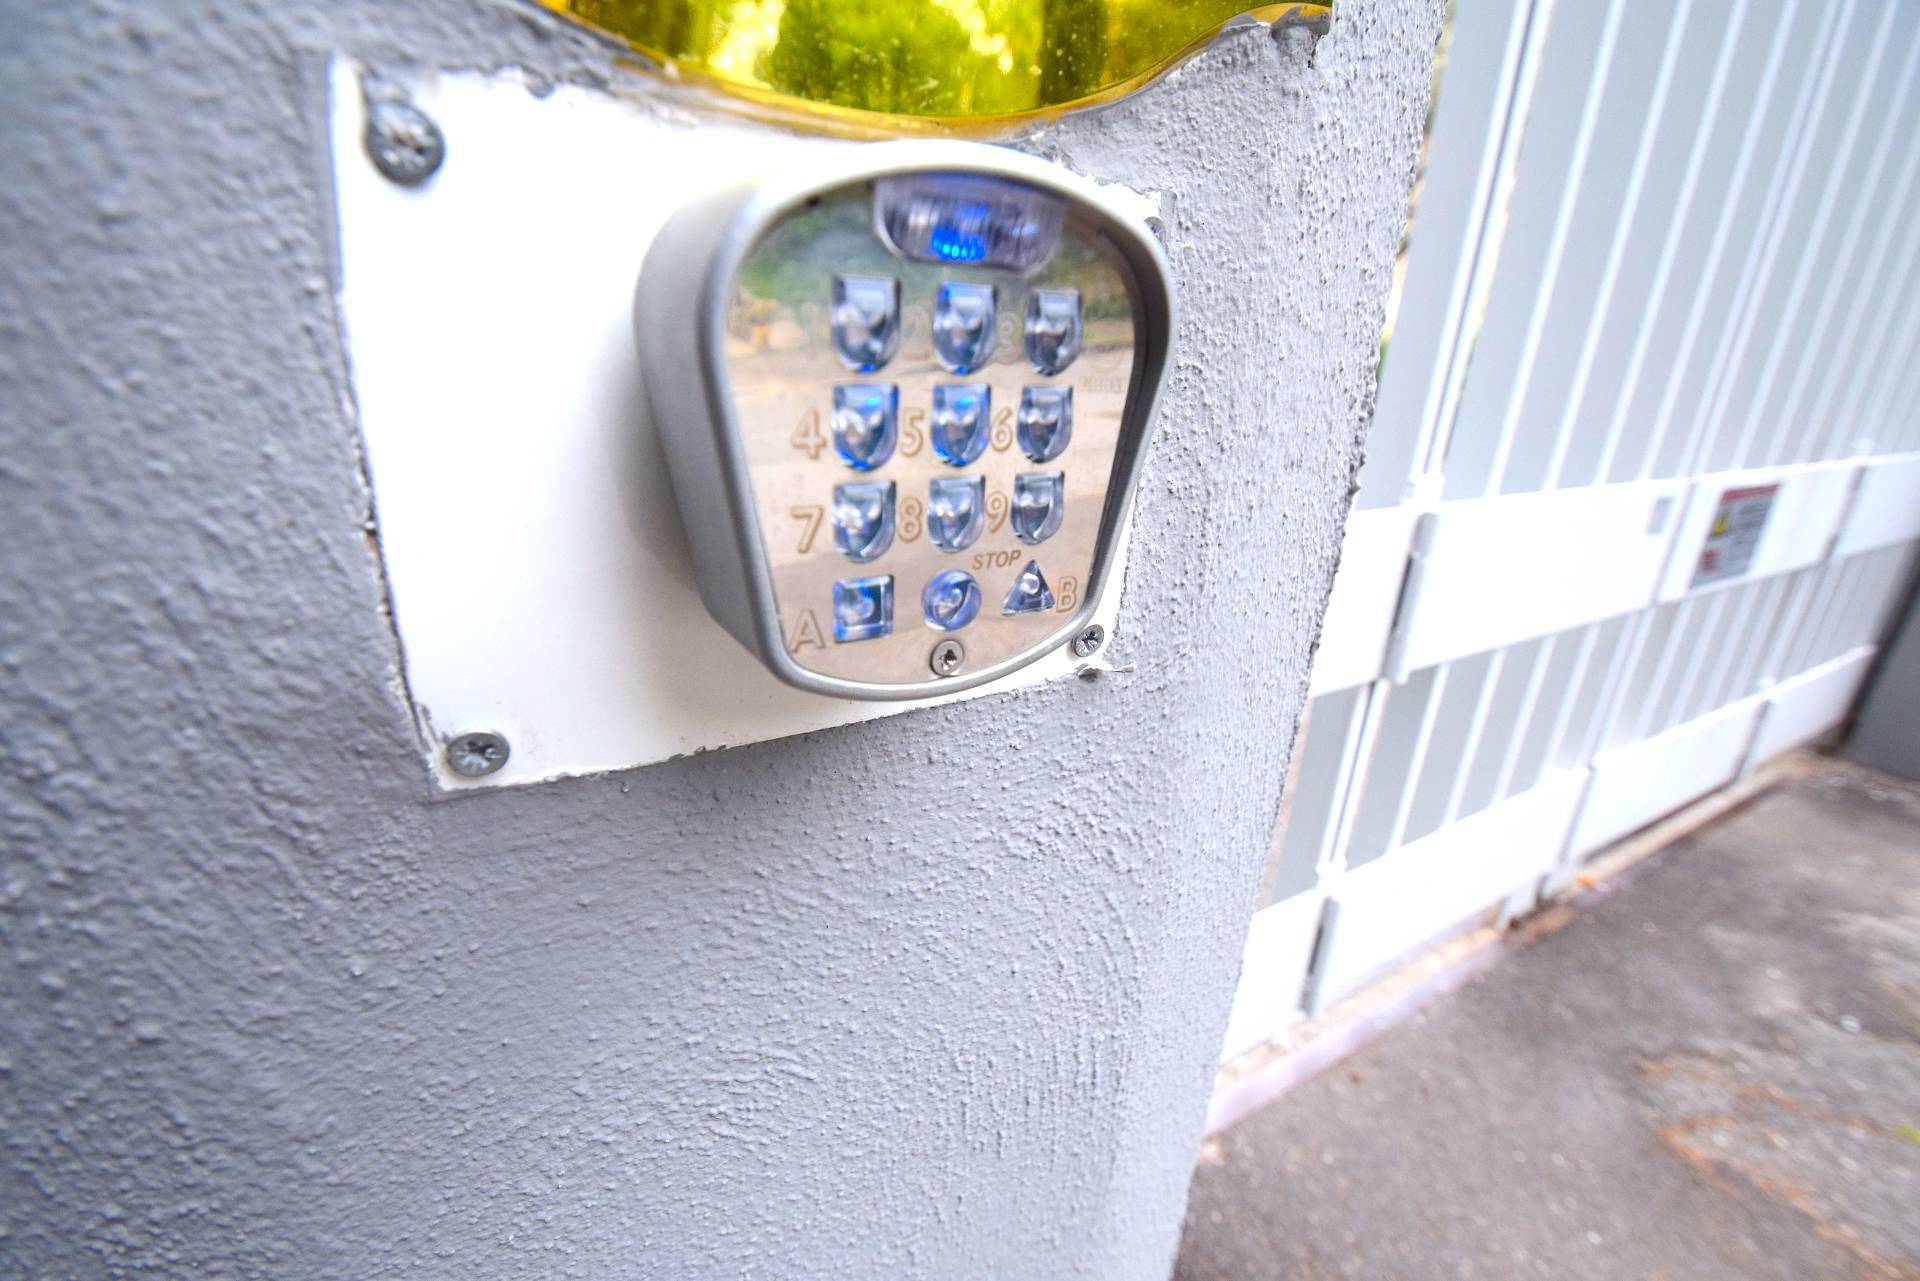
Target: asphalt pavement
<point>1710,1070</point>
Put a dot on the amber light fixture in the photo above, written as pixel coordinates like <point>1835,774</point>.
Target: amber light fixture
<point>923,65</point>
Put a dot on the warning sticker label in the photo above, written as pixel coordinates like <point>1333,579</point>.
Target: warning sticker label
<point>1734,535</point>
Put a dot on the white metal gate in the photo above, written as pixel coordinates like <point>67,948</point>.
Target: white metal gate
<point>1644,479</point>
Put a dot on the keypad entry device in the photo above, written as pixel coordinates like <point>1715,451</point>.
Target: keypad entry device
<point>903,404</point>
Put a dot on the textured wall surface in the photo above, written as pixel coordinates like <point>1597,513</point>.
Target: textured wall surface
<point>934,996</point>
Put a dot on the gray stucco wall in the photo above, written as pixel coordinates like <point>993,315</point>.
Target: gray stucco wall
<point>806,1009</point>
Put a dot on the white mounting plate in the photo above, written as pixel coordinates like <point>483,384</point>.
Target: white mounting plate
<point>540,585</point>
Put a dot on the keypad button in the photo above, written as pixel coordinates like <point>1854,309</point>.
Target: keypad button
<point>1052,335</point>
<point>956,511</point>
<point>964,330</point>
<point>866,321</point>
<point>866,423</point>
<point>951,600</point>
<point>1046,422</point>
<point>1030,593</point>
<point>1039,503</point>
<point>962,421</point>
<point>863,519</point>
<point>862,608</point>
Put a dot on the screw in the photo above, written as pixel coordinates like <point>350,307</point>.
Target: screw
<point>477,754</point>
<point>947,657</point>
<point>404,142</point>
<point>1088,641</point>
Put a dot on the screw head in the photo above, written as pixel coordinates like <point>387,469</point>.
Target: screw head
<point>403,141</point>
<point>947,657</point>
<point>477,754</point>
<point>1088,641</point>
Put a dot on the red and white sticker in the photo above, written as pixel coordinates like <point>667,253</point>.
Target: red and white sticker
<point>1734,536</point>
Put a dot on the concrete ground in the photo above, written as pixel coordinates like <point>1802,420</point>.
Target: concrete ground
<point>1711,1070</point>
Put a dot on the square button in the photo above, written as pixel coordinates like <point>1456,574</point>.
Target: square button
<point>862,608</point>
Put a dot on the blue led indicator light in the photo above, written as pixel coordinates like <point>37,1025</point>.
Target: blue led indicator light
<point>961,236</point>
<point>967,218</point>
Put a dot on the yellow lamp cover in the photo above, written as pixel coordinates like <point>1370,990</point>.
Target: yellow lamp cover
<point>923,65</point>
